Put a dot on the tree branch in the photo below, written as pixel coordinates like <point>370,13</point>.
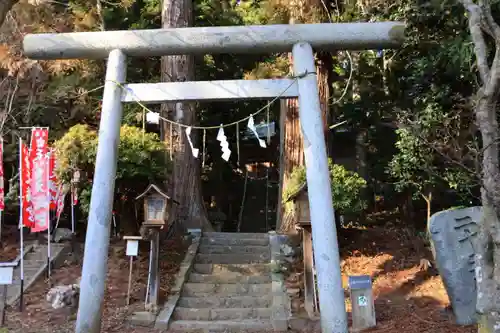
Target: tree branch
<point>476,32</point>
<point>489,20</point>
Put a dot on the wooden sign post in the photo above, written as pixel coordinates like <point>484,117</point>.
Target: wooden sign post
<point>363,307</point>
<point>6,278</point>
<point>132,251</point>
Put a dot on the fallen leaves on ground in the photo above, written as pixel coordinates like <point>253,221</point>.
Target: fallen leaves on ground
<point>407,298</point>
<point>39,317</point>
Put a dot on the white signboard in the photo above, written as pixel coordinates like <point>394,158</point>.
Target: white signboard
<point>132,247</point>
<point>6,274</point>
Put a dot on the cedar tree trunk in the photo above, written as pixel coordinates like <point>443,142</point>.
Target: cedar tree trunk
<point>186,177</point>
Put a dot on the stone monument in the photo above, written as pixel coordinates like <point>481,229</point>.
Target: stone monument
<point>453,234</point>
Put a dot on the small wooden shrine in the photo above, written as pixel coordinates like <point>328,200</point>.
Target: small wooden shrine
<point>302,214</point>
<point>157,206</point>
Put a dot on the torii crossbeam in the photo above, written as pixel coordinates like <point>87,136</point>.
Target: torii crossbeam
<point>300,39</point>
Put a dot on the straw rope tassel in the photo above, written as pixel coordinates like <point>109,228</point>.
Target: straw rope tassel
<point>238,143</point>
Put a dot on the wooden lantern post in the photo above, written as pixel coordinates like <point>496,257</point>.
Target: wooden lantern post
<point>157,206</point>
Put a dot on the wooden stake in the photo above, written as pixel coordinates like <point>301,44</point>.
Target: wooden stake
<point>240,218</point>
<point>130,279</point>
<point>281,168</point>
<point>179,136</point>
<point>3,303</point>
<point>268,125</point>
<point>267,199</point>
<point>238,143</point>
<point>204,147</point>
<point>170,142</point>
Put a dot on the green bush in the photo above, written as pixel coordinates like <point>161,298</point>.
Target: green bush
<point>141,160</point>
<point>346,188</point>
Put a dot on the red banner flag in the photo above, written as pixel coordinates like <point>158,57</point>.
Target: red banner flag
<point>53,179</point>
<point>74,195</point>
<point>61,195</point>
<point>25,183</point>
<point>74,189</point>
<point>40,195</point>
<point>2,193</point>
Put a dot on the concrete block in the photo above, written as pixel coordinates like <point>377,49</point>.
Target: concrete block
<point>228,326</point>
<point>232,258</point>
<point>142,318</point>
<point>226,302</point>
<point>233,249</point>
<point>229,278</point>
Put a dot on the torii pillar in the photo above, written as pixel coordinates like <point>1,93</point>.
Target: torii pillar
<point>300,39</point>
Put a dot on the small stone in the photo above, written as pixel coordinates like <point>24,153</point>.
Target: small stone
<point>287,250</point>
<point>64,296</point>
<point>293,291</point>
<point>142,318</point>
<point>289,260</point>
<point>62,234</point>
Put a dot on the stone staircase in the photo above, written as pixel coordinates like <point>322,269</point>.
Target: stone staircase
<point>229,288</point>
<point>35,266</point>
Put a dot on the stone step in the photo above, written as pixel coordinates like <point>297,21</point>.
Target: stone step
<point>234,242</point>
<point>36,256</point>
<point>204,289</point>
<point>220,326</point>
<point>233,270</point>
<point>234,249</point>
<point>40,252</point>
<point>235,235</point>
<point>239,258</point>
<point>34,263</point>
<point>221,314</point>
<point>229,278</point>
<point>226,302</point>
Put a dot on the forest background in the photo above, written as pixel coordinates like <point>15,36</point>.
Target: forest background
<point>407,143</point>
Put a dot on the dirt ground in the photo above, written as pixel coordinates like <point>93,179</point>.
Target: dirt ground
<point>408,297</point>
<point>39,317</point>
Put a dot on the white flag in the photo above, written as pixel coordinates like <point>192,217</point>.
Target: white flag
<point>226,152</point>
<point>251,127</point>
<point>195,151</point>
<point>153,117</point>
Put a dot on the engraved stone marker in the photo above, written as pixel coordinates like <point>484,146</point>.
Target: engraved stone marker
<point>453,233</point>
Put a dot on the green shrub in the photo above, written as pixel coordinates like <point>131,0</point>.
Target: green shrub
<point>141,160</point>
<point>346,188</point>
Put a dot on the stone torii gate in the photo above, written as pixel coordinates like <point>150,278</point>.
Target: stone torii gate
<point>300,38</point>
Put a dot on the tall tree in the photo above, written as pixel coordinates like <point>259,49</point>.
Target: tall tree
<point>186,179</point>
<point>303,11</point>
<point>482,25</point>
